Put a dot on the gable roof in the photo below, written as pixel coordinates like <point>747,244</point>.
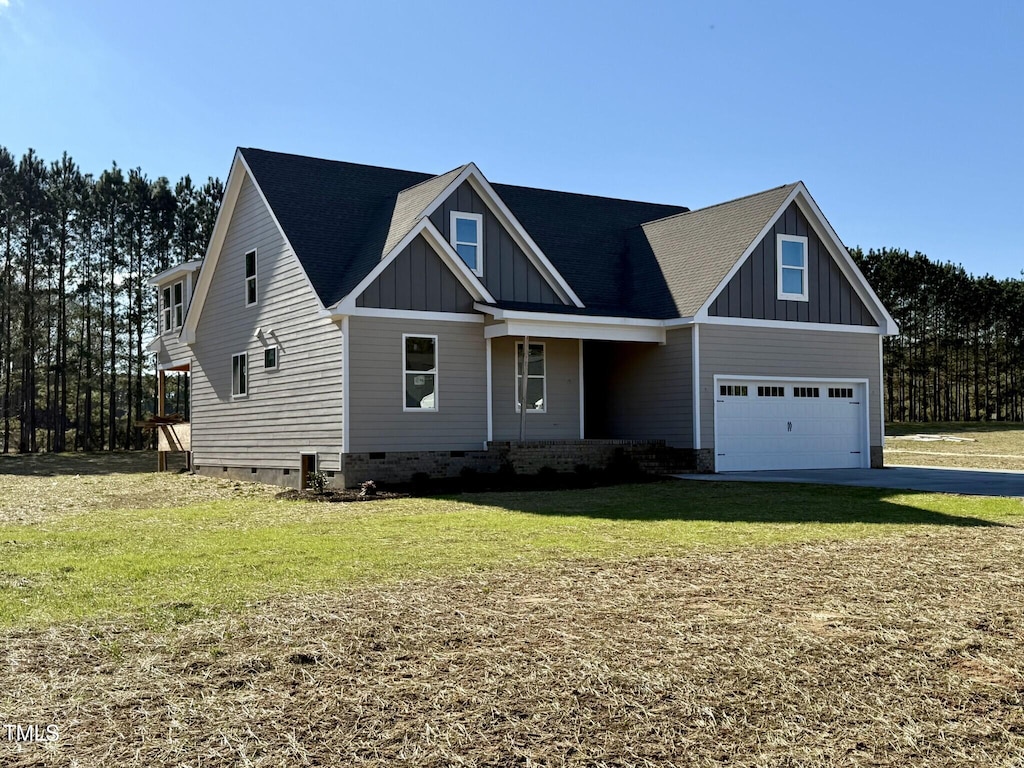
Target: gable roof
<point>614,257</point>
<point>697,249</point>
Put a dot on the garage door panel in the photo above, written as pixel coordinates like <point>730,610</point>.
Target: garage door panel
<point>761,431</point>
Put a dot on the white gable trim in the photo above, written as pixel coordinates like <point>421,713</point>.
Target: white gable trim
<point>837,250</point>
<point>458,267</point>
<point>511,223</point>
<point>236,177</point>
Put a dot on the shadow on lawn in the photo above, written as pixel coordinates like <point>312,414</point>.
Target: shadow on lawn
<point>734,503</point>
<point>94,463</point>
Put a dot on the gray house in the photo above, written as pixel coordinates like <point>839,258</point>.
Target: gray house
<point>373,323</point>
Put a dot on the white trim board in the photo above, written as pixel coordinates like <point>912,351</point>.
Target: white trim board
<point>501,211</point>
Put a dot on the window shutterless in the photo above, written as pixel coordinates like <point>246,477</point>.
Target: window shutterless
<point>467,239</point>
<point>536,378</point>
<point>791,267</point>
<point>250,278</point>
<point>239,375</point>
<point>419,372</point>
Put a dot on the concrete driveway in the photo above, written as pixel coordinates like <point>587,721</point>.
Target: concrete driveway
<point>974,482</point>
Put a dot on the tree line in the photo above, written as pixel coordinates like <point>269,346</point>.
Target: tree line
<point>960,352</point>
<point>75,309</point>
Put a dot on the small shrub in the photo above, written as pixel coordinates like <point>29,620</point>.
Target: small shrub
<point>316,482</point>
<point>584,475</point>
<point>547,477</point>
<point>367,489</point>
<point>471,480</point>
<point>623,468</point>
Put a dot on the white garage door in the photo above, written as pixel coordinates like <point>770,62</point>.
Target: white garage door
<point>795,424</point>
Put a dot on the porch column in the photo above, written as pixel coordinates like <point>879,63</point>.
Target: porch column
<point>522,389</point>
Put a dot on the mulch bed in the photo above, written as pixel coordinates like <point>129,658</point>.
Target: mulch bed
<point>894,650</point>
<point>333,496</point>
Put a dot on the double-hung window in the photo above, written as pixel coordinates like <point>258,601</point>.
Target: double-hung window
<point>172,306</point>
<point>467,238</point>
<point>536,383</point>
<point>250,278</point>
<point>419,372</point>
<point>791,273</point>
<point>239,375</point>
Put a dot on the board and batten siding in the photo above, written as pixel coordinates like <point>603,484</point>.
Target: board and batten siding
<point>295,409</point>
<point>752,292</point>
<point>508,273</point>
<point>417,279</point>
<point>648,393</point>
<point>561,419</point>
<point>750,351</point>
<point>376,383</point>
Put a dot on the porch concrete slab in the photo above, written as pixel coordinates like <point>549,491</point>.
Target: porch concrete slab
<point>971,482</point>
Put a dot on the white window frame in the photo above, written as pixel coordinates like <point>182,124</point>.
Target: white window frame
<point>277,358</point>
<point>478,270</point>
<point>435,372</point>
<point>526,365</point>
<point>237,391</point>
<point>782,295</point>
<point>172,313</point>
<point>252,278</point>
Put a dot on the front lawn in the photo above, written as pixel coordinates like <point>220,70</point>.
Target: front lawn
<point>185,559</point>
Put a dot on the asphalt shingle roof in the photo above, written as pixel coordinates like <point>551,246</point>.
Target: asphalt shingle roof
<point>621,257</point>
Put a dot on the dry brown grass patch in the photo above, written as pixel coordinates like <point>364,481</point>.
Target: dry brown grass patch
<point>891,651</point>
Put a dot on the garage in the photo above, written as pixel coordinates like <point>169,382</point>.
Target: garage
<point>773,423</point>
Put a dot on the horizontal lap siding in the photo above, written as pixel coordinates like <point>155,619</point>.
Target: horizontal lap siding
<point>377,421</point>
<point>650,390</point>
<point>297,408</point>
<point>561,421</point>
<point>746,351</point>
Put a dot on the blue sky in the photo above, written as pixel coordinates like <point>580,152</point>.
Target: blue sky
<point>905,119</point>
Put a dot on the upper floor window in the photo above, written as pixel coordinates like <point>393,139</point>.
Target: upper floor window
<point>536,380</point>
<point>791,254</point>
<point>250,278</point>
<point>467,238</point>
<point>420,372</point>
<point>172,306</point>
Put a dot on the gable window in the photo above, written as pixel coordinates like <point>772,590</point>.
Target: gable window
<point>467,238</point>
<point>791,254</point>
<point>270,358</point>
<point>536,380</point>
<point>239,375</point>
<point>419,372</point>
<point>250,278</point>
<point>172,306</point>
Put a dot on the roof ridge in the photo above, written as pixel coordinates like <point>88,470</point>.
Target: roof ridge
<point>724,202</point>
<point>343,162</point>
<point>592,197</point>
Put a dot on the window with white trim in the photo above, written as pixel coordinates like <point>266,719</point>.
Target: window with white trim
<point>732,390</point>
<point>419,372</point>
<point>250,278</point>
<point>467,238</point>
<point>240,375</point>
<point>791,272</point>
<point>270,359</point>
<point>172,306</point>
<point>536,378</point>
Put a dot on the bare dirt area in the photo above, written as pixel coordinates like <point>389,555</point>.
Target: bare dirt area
<point>35,488</point>
<point>990,445</point>
<point>889,651</point>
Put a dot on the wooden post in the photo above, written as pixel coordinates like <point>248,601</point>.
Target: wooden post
<point>522,389</point>
<point>161,384</point>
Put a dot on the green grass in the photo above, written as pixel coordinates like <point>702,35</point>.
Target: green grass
<point>986,445</point>
<point>176,563</point>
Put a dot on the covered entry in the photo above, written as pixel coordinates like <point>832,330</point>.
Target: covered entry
<point>773,423</point>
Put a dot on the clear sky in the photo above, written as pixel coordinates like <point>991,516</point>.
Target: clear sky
<point>905,119</point>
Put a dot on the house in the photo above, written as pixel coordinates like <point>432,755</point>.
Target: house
<point>372,323</point>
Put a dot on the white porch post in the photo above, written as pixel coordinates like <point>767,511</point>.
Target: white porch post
<point>522,389</point>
